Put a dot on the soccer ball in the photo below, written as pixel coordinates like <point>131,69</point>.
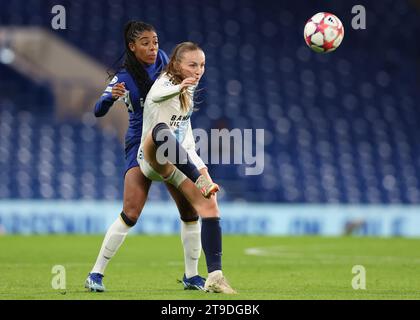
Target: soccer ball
<point>323,32</point>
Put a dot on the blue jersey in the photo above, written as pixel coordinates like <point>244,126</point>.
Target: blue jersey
<point>132,99</point>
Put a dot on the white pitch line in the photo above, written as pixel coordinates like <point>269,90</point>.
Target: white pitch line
<point>282,251</point>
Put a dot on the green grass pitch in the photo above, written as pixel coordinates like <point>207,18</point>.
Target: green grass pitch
<point>146,267</point>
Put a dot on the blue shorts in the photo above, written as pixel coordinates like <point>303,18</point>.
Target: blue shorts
<point>131,157</point>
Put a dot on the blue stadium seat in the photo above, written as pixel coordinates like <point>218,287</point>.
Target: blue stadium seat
<point>336,130</point>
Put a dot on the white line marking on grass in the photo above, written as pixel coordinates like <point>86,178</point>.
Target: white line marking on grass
<point>285,252</point>
<point>271,252</point>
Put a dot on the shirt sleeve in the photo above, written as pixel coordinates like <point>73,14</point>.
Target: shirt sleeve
<point>106,101</point>
<point>163,90</point>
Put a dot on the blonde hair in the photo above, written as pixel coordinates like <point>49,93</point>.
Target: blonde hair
<point>174,72</point>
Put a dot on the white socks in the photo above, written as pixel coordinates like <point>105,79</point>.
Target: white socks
<point>190,236</point>
<point>113,239</point>
<point>191,240</point>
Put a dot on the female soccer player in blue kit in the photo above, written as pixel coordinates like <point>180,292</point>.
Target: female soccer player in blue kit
<point>142,65</point>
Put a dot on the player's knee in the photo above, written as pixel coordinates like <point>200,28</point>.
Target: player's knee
<point>188,214</point>
<point>132,213</point>
<point>128,219</point>
<point>175,177</point>
<point>210,209</point>
<point>189,218</point>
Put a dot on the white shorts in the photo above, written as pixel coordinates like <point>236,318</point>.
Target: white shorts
<point>177,177</point>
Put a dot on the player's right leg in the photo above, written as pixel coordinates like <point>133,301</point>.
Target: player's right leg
<point>206,207</point>
<point>136,188</point>
<point>211,235</point>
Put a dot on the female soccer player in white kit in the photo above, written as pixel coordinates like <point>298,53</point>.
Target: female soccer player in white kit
<point>167,151</point>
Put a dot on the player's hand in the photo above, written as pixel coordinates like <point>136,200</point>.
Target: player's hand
<point>189,82</point>
<point>118,90</point>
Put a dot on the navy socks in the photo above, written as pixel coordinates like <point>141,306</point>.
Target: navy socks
<point>162,134</point>
<point>211,241</point>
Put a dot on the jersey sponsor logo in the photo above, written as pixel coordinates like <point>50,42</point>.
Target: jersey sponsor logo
<point>181,124</point>
<point>176,120</point>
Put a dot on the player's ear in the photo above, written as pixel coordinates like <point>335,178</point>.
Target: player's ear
<point>177,66</point>
<point>132,46</point>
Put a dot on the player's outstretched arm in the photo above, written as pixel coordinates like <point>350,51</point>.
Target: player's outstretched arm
<point>108,98</point>
<point>164,89</point>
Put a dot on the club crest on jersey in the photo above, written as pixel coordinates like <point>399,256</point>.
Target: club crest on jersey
<point>127,101</point>
<point>114,80</point>
<point>167,83</point>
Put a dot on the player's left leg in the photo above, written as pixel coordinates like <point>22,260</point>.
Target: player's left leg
<point>191,240</point>
<point>136,189</point>
<point>211,235</point>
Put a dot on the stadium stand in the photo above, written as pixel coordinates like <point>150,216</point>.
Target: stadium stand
<point>339,128</point>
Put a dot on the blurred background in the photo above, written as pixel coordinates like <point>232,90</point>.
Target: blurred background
<point>342,147</point>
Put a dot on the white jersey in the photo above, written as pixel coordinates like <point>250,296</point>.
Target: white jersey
<point>163,105</point>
